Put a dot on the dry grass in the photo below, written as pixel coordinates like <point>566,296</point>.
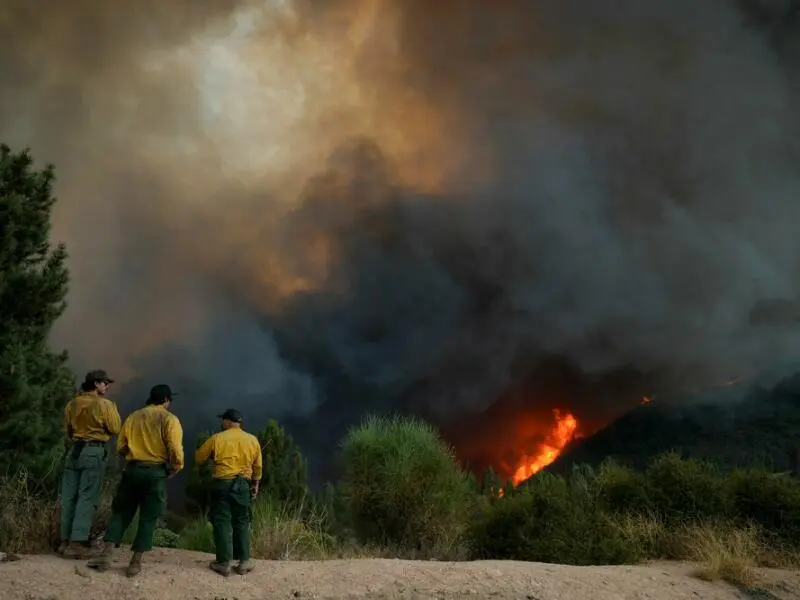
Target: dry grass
<point>647,535</point>
<point>26,520</point>
<point>725,553</point>
<point>280,533</point>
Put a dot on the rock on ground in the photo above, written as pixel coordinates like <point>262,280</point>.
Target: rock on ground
<point>181,575</point>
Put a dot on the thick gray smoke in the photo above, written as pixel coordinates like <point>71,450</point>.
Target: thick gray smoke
<point>313,210</point>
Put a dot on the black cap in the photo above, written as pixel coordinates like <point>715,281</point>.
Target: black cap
<point>98,375</point>
<point>161,392</point>
<point>231,415</point>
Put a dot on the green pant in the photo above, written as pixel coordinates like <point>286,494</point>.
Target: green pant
<point>142,488</point>
<point>81,483</point>
<point>230,517</point>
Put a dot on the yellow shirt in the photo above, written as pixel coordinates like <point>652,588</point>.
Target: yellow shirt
<point>152,435</point>
<point>91,417</point>
<point>235,452</point>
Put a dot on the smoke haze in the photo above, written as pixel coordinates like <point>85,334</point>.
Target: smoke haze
<point>310,210</point>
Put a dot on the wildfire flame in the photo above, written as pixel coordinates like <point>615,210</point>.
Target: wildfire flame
<point>564,431</point>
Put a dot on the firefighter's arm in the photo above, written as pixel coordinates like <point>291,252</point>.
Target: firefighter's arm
<point>122,440</point>
<point>258,471</point>
<point>258,465</point>
<point>174,443</point>
<point>203,454</point>
<point>112,418</point>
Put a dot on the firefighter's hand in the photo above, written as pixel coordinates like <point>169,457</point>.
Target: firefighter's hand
<point>254,490</point>
<point>172,474</point>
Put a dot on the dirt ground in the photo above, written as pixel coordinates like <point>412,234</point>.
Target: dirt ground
<point>179,575</point>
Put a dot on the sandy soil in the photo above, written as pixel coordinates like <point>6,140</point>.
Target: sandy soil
<point>180,575</point>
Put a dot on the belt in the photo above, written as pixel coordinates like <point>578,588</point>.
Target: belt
<point>79,445</point>
<point>234,478</point>
<point>144,463</point>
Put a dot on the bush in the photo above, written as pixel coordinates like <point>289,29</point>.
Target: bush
<point>197,536</point>
<point>769,500</point>
<point>403,488</point>
<point>678,509</point>
<point>683,490</point>
<point>622,490</point>
<point>549,521</point>
<point>163,537</point>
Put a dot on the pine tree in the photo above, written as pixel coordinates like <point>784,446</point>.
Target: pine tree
<point>198,487</point>
<point>285,469</point>
<point>35,383</point>
<point>491,483</point>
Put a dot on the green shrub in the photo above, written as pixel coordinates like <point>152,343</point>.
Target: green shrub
<point>549,521</point>
<point>769,500</point>
<point>197,536</point>
<point>622,490</point>
<point>683,490</point>
<point>403,488</point>
<point>162,536</point>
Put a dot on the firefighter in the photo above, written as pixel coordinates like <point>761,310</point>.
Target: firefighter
<point>151,441</point>
<point>90,421</point>
<point>236,476</point>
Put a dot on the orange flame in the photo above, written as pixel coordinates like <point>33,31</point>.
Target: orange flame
<point>563,433</point>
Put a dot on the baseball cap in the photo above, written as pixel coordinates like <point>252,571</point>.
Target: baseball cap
<point>98,375</point>
<point>231,415</point>
<point>161,392</point>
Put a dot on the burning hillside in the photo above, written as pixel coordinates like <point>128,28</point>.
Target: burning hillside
<point>748,421</point>
<point>528,427</point>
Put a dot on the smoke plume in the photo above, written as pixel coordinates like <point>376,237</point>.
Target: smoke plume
<point>310,210</point>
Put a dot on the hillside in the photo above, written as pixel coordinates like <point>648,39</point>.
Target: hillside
<point>181,575</point>
<point>754,422</point>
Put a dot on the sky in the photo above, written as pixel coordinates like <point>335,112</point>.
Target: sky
<point>314,210</point>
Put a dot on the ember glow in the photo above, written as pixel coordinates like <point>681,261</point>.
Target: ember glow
<point>564,431</point>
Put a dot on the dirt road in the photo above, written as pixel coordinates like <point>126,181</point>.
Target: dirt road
<point>181,575</point>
